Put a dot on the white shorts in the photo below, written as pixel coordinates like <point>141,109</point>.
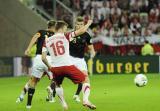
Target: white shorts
<point>80,63</point>
<point>39,67</point>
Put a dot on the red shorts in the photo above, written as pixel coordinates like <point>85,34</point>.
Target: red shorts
<point>70,72</point>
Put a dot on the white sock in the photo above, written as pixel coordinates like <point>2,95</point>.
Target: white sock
<point>25,90</point>
<point>86,92</point>
<point>60,94</point>
<point>50,89</point>
<point>50,92</point>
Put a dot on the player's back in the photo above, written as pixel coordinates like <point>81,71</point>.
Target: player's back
<point>58,47</point>
<point>41,39</point>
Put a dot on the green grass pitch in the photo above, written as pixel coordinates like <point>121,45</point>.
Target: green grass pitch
<point>109,93</point>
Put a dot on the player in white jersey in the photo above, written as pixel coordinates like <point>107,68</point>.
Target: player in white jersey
<point>61,65</point>
<point>77,52</point>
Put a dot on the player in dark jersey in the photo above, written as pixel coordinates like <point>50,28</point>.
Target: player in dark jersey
<point>77,51</point>
<point>38,67</point>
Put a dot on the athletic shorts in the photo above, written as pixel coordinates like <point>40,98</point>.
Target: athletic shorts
<point>71,72</point>
<point>80,63</point>
<point>39,67</point>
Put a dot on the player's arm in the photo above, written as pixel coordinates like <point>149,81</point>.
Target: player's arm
<point>44,57</point>
<point>83,29</point>
<point>90,45</point>
<point>91,50</point>
<point>78,32</point>
<point>32,42</point>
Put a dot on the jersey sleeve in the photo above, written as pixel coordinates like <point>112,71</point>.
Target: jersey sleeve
<point>70,35</point>
<point>88,39</point>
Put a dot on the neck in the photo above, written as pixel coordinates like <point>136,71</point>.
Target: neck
<point>59,31</point>
<point>50,30</point>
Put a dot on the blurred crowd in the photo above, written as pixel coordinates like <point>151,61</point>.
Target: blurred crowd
<point>116,18</point>
<point>113,18</point>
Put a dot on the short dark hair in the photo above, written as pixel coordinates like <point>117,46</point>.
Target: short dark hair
<point>51,23</point>
<point>60,24</point>
<point>80,19</point>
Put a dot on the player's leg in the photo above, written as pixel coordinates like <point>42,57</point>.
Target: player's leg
<point>26,87</point>
<point>53,87</point>
<point>81,65</point>
<point>76,96</point>
<point>60,94</point>
<point>32,84</point>
<point>23,93</point>
<point>58,74</point>
<point>51,90</point>
<point>79,77</point>
<point>37,72</point>
<point>59,90</point>
<point>86,86</point>
<point>86,92</point>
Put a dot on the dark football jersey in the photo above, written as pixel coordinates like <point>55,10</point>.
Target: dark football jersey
<point>78,44</point>
<point>41,39</point>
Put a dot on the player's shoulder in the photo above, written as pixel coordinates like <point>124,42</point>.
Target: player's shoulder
<point>42,32</point>
<point>87,34</point>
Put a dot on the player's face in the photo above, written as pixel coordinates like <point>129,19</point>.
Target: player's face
<point>65,29</point>
<point>52,29</point>
<point>79,25</point>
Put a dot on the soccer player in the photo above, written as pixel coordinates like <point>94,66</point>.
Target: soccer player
<point>77,50</point>
<point>38,67</point>
<point>61,65</point>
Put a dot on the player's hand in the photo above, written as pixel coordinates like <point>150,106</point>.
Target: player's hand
<point>89,22</point>
<point>93,54</point>
<point>26,52</point>
<point>50,68</point>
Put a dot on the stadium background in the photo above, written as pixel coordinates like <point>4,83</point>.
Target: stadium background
<point>119,30</point>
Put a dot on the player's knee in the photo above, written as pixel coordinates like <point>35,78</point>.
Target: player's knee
<point>85,73</point>
<point>33,81</point>
<point>86,76</point>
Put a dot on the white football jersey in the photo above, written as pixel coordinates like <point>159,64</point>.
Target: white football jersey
<point>58,48</point>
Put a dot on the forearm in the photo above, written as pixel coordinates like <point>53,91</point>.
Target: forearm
<point>91,50</point>
<point>83,29</point>
<point>32,42</point>
<point>45,61</point>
